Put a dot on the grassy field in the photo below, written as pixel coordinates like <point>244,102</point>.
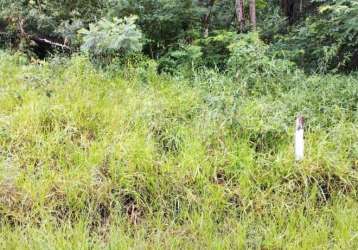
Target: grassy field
<point>129,159</point>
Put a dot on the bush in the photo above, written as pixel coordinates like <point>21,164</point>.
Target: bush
<point>107,39</point>
<point>251,61</point>
<point>185,58</point>
<point>211,52</point>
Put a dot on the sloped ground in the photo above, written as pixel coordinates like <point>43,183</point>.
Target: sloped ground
<point>93,160</point>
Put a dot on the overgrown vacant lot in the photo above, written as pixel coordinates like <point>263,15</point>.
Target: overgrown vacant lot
<point>132,159</point>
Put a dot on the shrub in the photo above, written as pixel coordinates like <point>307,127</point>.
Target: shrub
<point>187,57</point>
<point>106,39</point>
<point>210,52</point>
<point>251,61</point>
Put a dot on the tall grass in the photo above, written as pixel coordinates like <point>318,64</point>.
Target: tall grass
<point>132,159</point>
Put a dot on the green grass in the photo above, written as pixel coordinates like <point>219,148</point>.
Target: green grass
<point>132,159</point>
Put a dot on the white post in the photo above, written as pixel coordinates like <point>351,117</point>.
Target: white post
<point>299,141</point>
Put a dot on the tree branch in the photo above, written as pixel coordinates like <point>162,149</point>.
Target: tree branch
<point>44,40</point>
<point>39,39</point>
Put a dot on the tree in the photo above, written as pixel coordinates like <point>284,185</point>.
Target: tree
<point>295,9</point>
<point>252,7</point>
<point>239,6</point>
<point>206,21</point>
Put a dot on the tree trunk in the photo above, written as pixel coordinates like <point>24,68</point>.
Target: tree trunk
<point>25,35</point>
<point>252,6</point>
<point>206,21</point>
<point>284,7</point>
<point>239,6</point>
<point>288,9</point>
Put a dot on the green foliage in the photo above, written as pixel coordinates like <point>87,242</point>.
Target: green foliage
<point>124,157</point>
<point>251,60</point>
<point>69,31</point>
<point>272,25</point>
<point>163,22</point>
<point>24,23</point>
<point>320,35</point>
<point>106,39</point>
<point>216,50</point>
<point>134,159</point>
<point>210,52</point>
<point>186,58</point>
<point>327,41</point>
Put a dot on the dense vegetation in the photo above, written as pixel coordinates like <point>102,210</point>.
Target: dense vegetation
<point>132,159</point>
<point>319,35</point>
<point>160,124</point>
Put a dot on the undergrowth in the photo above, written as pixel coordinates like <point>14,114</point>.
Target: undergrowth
<point>133,159</point>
